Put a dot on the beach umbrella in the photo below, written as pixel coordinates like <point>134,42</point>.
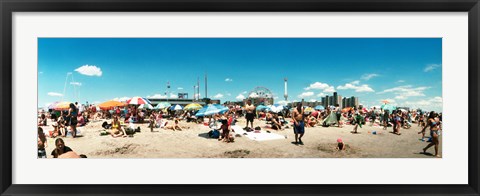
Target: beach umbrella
<point>193,106</point>
<point>108,105</point>
<point>52,106</point>
<point>346,109</point>
<point>162,105</point>
<point>210,110</point>
<point>388,107</point>
<point>176,107</point>
<point>276,108</point>
<point>385,101</point>
<point>138,101</point>
<point>62,105</point>
<point>145,106</point>
<point>261,108</point>
<point>365,110</point>
<point>319,107</point>
<point>309,110</point>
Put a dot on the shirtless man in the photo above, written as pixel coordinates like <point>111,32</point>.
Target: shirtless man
<point>298,124</point>
<point>250,108</point>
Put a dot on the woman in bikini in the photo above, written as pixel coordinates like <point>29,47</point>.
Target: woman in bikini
<point>435,127</point>
<point>117,130</point>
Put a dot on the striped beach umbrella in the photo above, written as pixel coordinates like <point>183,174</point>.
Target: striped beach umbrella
<point>176,107</point>
<point>193,106</point>
<point>145,106</point>
<point>162,105</point>
<point>138,101</point>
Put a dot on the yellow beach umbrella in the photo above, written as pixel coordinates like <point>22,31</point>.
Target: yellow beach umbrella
<point>62,105</point>
<point>193,106</point>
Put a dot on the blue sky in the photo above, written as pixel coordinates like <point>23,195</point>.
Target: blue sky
<point>406,71</point>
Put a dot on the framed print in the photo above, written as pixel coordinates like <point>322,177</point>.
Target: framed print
<point>239,97</point>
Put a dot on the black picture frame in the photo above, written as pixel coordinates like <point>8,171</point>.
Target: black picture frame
<point>7,7</point>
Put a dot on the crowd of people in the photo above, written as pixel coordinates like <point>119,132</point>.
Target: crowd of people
<point>119,122</point>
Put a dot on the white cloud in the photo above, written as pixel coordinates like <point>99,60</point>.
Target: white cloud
<point>76,83</point>
<point>228,79</point>
<point>404,92</point>
<point>306,94</point>
<point>431,67</point>
<point>401,81</point>
<point>321,95</point>
<point>369,76</point>
<point>218,96</point>
<point>244,92</point>
<point>275,97</point>
<point>321,86</point>
<point>157,96</point>
<point>228,94</point>
<point>435,104</point>
<point>54,94</point>
<point>330,89</point>
<point>121,99</point>
<point>173,96</point>
<point>240,97</point>
<point>355,85</point>
<point>89,70</point>
<point>313,100</point>
<point>283,102</point>
<point>180,88</point>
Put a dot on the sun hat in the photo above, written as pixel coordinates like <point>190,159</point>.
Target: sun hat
<point>339,140</point>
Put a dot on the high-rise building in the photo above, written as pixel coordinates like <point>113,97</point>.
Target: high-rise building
<point>335,98</point>
<point>342,102</point>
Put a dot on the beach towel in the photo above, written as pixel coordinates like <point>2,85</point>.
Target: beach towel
<point>260,136</point>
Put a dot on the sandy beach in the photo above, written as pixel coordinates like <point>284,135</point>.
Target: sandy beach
<point>319,142</point>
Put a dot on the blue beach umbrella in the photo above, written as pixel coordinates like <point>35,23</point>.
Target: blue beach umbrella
<point>388,107</point>
<point>176,107</point>
<point>319,107</point>
<point>162,105</point>
<point>262,107</point>
<point>211,109</point>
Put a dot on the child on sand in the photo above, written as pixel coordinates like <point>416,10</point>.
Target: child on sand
<point>340,144</point>
<point>226,136</point>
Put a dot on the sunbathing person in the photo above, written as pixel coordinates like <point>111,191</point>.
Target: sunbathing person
<point>276,125</point>
<point>60,148</point>
<point>117,130</point>
<point>174,126</point>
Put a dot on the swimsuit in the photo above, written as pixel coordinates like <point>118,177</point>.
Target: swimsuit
<point>299,128</point>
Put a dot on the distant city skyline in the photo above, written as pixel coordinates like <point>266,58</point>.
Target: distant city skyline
<point>404,71</point>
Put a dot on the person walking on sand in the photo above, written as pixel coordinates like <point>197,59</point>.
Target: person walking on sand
<point>72,114</point>
<point>434,124</point>
<point>250,109</point>
<point>298,124</point>
<point>358,122</point>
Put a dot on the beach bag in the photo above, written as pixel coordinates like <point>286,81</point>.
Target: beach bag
<point>214,134</point>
